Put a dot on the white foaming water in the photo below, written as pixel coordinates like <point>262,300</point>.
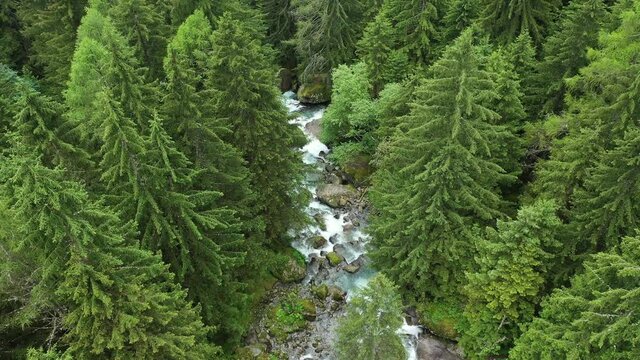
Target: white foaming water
<point>410,334</point>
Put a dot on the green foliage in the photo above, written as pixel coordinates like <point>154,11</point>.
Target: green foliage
<point>368,330</point>
<point>251,107</point>
<point>327,32</point>
<point>595,317</point>
<point>522,55</point>
<point>443,318</point>
<point>460,15</point>
<point>287,317</point>
<point>513,266</point>
<point>565,51</point>
<point>437,179</point>
<point>505,20</point>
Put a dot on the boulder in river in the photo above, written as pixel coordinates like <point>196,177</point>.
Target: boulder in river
<point>319,219</point>
<point>430,348</point>
<point>358,169</point>
<point>291,272</point>
<point>336,196</point>
<point>337,294</point>
<point>317,241</point>
<point>321,291</point>
<point>309,311</point>
<point>316,90</point>
<point>351,268</point>
<point>334,258</point>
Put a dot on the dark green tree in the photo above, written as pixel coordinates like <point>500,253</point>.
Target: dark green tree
<point>505,20</point>
<point>594,318</point>
<point>13,45</point>
<point>281,27</point>
<point>414,22</point>
<point>460,15</point>
<point>251,107</point>
<point>522,55</point>
<point>513,266</point>
<point>144,25</point>
<point>51,28</point>
<point>437,179</point>
<point>565,51</point>
<point>378,50</point>
<point>85,268</point>
<point>368,330</point>
<point>327,33</point>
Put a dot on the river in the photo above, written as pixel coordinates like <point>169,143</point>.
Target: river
<point>345,229</point>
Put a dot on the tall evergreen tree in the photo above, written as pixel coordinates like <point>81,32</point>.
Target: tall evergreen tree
<point>565,51</point>
<point>505,20</point>
<point>327,32</point>
<point>281,27</point>
<point>438,180</point>
<point>51,28</point>
<point>460,15</point>
<point>12,43</point>
<point>594,318</point>
<point>144,25</point>
<point>522,56</point>
<point>414,21</point>
<point>378,50</point>
<point>85,257</point>
<point>252,108</point>
<point>514,263</point>
<point>368,331</point>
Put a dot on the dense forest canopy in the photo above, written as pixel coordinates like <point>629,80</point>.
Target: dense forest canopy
<point>150,178</point>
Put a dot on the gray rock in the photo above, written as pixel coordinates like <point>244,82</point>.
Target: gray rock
<point>317,241</point>
<point>430,348</point>
<point>336,196</point>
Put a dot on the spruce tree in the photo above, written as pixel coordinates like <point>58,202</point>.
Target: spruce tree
<point>281,28</point>
<point>414,22</point>
<point>378,50</point>
<point>594,318</point>
<point>251,107</point>
<point>522,55</point>
<point>505,20</point>
<point>368,330</point>
<point>87,267</point>
<point>144,25</point>
<point>460,15</point>
<point>437,179</point>
<point>513,268</point>
<point>13,45</point>
<point>327,33</point>
<point>51,28</point>
<point>565,51</point>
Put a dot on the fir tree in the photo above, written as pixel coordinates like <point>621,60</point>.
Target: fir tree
<point>514,263</point>
<point>251,107</point>
<point>565,51</point>
<point>368,330</point>
<point>460,15</point>
<point>51,28</point>
<point>594,318</point>
<point>437,179</point>
<point>327,33</point>
<point>12,43</point>
<point>281,27</point>
<point>522,55</point>
<point>505,20</point>
<point>414,23</point>
<point>377,49</point>
<point>143,24</point>
<point>86,259</point>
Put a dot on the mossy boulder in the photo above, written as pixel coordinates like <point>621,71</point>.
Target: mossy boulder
<point>358,169</point>
<point>337,294</point>
<point>334,258</point>
<point>441,318</point>
<point>317,241</point>
<point>336,196</point>
<point>319,219</point>
<point>321,291</point>
<point>289,267</point>
<point>316,90</point>
<point>309,309</point>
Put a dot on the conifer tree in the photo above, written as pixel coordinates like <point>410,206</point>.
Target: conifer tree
<point>378,50</point>
<point>414,21</point>
<point>522,55</point>
<point>327,33</point>
<point>143,24</point>
<point>594,318</point>
<point>565,51</point>
<point>514,263</point>
<point>437,180</point>
<point>460,15</point>
<point>12,43</point>
<point>368,330</point>
<point>605,210</point>
<point>281,27</point>
<point>85,257</point>
<point>251,107</point>
<point>505,20</point>
<point>51,28</point>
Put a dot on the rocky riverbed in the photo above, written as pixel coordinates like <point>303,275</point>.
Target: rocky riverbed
<point>298,320</point>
